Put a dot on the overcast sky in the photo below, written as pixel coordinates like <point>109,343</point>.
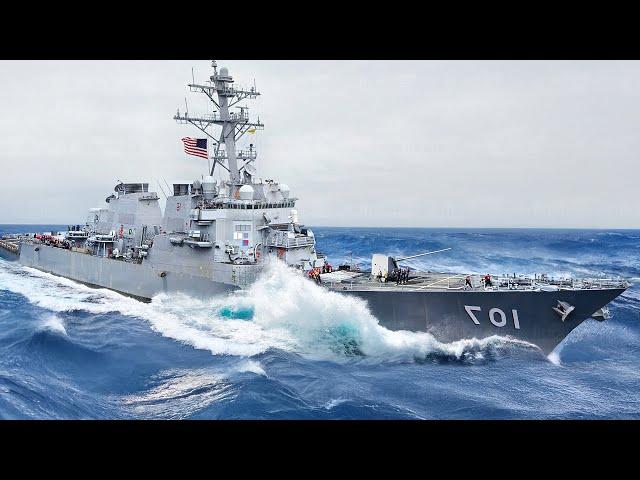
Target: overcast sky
<point>360,143</point>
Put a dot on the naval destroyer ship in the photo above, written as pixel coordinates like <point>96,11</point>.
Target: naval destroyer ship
<point>215,236</point>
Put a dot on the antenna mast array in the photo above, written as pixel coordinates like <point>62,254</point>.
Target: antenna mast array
<point>234,124</point>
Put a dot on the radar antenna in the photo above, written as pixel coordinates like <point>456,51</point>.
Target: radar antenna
<point>234,125</point>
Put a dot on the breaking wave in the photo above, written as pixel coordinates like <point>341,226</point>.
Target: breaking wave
<point>54,324</point>
<point>282,310</point>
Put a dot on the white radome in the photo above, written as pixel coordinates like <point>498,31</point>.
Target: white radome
<point>246,192</point>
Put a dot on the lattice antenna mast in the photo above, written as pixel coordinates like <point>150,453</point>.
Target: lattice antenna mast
<point>234,125</point>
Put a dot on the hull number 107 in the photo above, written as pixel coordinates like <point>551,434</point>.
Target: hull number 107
<point>496,316</point>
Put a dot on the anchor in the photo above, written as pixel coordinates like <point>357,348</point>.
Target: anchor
<point>564,309</point>
<point>602,314</point>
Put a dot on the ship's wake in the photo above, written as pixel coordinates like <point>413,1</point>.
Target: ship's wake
<point>282,310</point>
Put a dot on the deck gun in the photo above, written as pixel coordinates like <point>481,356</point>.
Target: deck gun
<point>383,265</point>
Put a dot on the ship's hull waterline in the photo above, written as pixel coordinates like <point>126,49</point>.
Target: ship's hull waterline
<point>454,315</point>
<point>448,315</point>
<point>136,280</point>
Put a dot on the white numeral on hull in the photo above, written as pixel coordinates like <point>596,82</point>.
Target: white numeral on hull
<point>496,316</point>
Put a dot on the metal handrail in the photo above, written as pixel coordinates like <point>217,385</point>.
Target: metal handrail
<point>290,242</point>
<point>233,116</point>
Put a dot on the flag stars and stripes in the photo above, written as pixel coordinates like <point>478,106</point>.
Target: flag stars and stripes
<point>195,146</point>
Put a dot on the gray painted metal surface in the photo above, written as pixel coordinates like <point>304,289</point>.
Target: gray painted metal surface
<point>443,314</point>
<point>138,280</point>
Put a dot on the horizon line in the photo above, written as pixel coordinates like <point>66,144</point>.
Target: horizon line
<point>399,227</point>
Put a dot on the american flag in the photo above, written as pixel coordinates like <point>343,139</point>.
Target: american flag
<point>195,146</point>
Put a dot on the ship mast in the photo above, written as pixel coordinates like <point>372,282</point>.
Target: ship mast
<point>234,124</point>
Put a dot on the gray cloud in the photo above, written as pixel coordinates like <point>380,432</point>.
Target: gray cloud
<point>395,143</point>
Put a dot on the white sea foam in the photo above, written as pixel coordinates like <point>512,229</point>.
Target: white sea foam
<point>334,403</point>
<point>554,357</point>
<point>288,312</point>
<point>179,394</point>
<point>251,366</point>
<point>54,323</point>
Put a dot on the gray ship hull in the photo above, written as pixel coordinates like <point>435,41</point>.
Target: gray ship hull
<point>443,313</point>
<point>137,280</point>
<point>7,255</point>
<point>448,315</point>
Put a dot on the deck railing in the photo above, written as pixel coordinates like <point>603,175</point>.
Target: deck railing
<point>422,282</point>
<point>290,242</point>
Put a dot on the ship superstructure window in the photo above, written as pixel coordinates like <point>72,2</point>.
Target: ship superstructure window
<point>125,188</point>
<point>181,189</point>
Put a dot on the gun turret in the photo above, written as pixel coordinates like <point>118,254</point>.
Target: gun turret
<point>383,265</point>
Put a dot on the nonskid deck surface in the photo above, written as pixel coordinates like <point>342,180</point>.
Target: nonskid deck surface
<point>448,281</point>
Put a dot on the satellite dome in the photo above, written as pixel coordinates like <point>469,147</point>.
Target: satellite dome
<point>284,189</point>
<point>224,72</point>
<point>246,192</point>
<point>197,184</point>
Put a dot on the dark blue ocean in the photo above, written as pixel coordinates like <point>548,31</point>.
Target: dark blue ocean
<point>288,349</point>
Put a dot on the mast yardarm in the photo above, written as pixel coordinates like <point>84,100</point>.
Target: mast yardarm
<point>233,124</point>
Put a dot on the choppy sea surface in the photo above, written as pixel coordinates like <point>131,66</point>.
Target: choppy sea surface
<point>288,349</point>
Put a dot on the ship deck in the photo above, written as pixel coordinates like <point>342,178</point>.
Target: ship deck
<point>422,281</point>
<point>448,281</point>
